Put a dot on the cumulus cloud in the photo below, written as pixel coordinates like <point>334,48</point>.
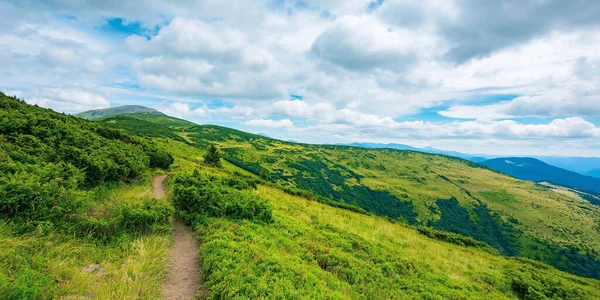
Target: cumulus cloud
<point>548,103</point>
<point>364,69</point>
<point>68,100</point>
<point>196,57</point>
<point>475,29</point>
<point>362,43</point>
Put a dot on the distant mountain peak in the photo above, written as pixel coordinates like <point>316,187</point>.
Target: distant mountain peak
<point>117,110</point>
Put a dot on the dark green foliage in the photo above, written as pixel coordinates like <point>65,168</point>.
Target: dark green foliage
<point>307,194</point>
<point>455,238</point>
<point>159,158</point>
<point>197,196</point>
<point>592,198</point>
<point>330,183</point>
<point>212,157</point>
<point>41,193</point>
<point>455,218</point>
<point>531,280</point>
<point>143,128</point>
<point>264,174</point>
<point>569,259</point>
<point>48,161</point>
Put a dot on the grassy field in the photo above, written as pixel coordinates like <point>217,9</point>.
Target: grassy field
<point>312,250</point>
<point>514,216</point>
<point>54,264</point>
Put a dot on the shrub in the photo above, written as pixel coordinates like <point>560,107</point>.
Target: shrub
<point>199,195</point>
<point>456,238</point>
<point>213,157</point>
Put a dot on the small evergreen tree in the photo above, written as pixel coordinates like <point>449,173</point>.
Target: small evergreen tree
<point>212,157</point>
<point>264,174</point>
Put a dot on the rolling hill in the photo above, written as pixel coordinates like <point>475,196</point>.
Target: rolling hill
<point>114,111</point>
<point>473,158</point>
<point>535,170</point>
<point>446,193</point>
<point>279,220</point>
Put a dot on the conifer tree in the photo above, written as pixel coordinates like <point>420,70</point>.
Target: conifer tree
<point>212,157</point>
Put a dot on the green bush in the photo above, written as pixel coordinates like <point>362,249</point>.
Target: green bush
<point>456,238</point>
<point>50,163</point>
<point>151,215</point>
<point>197,196</point>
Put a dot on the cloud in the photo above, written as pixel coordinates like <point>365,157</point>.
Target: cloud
<point>475,29</point>
<point>201,58</point>
<point>68,100</point>
<point>567,128</point>
<point>285,123</point>
<point>364,71</point>
<point>553,103</point>
<point>363,43</point>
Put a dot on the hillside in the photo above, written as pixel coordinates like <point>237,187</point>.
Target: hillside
<point>536,171</point>
<point>115,111</point>
<point>470,157</point>
<point>513,216</point>
<point>288,246</point>
<point>106,237</point>
<point>77,219</point>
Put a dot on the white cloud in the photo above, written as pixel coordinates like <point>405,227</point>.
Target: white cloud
<point>361,71</point>
<point>363,43</point>
<point>190,56</point>
<point>68,100</point>
<point>553,103</point>
<point>285,123</point>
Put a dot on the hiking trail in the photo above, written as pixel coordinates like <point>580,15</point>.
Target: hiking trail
<point>183,280</point>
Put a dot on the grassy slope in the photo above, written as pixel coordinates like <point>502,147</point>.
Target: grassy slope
<point>55,264</point>
<point>313,250</point>
<point>335,253</point>
<point>538,218</point>
<point>64,236</point>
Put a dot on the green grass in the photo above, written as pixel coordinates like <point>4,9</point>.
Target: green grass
<point>516,217</point>
<point>55,264</point>
<point>312,250</point>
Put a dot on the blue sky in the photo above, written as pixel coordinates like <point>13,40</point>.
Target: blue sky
<point>500,77</point>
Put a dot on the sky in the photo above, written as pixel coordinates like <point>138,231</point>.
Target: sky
<point>513,77</point>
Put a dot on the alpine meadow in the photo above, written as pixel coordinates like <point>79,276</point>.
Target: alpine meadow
<point>299,149</point>
<point>274,219</point>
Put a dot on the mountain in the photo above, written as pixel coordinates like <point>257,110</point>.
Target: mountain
<point>278,220</point>
<point>593,173</point>
<point>589,166</point>
<point>421,189</point>
<point>581,165</point>
<point>115,111</point>
<point>75,208</point>
<point>536,170</point>
<point>382,146</point>
<point>474,158</point>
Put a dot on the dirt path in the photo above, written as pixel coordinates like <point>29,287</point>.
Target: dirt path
<point>183,279</point>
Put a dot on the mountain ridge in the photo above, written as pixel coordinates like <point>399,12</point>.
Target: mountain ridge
<point>96,114</point>
<point>536,170</point>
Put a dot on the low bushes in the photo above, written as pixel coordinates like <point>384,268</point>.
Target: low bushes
<point>197,196</point>
<point>456,238</point>
<point>150,215</point>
